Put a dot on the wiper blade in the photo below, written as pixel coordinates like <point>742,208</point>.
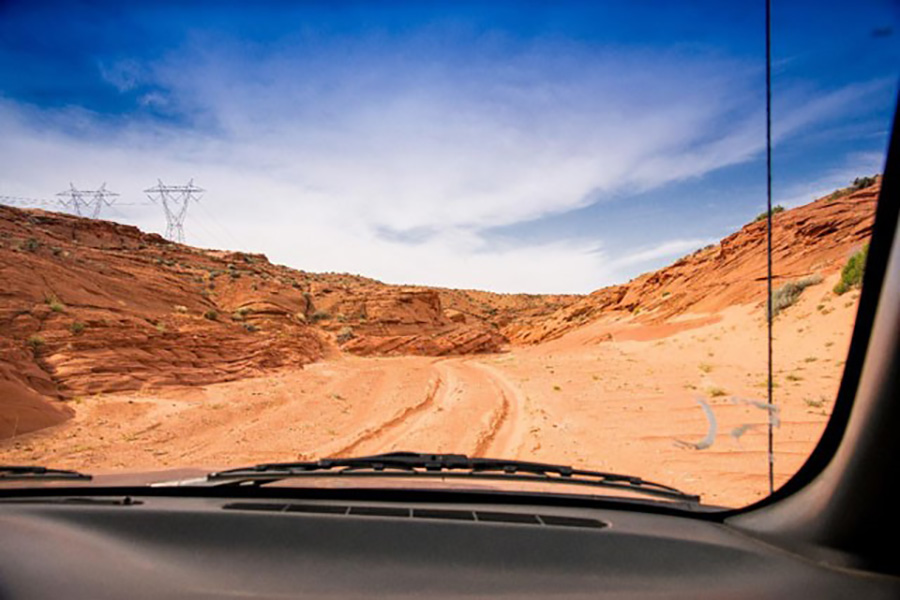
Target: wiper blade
<point>413,464</point>
<point>33,473</point>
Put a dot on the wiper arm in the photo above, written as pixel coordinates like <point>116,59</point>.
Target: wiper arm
<point>33,473</point>
<point>413,464</point>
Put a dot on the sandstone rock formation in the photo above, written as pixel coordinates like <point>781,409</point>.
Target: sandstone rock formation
<point>90,307</point>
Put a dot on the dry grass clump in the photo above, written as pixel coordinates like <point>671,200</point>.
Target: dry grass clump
<point>763,215</point>
<point>788,294</point>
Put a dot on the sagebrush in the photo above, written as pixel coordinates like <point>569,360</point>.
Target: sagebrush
<point>852,273</point>
<point>790,292</point>
<point>775,210</point>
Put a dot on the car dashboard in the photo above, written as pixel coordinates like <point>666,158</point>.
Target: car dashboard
<point>212,547</point>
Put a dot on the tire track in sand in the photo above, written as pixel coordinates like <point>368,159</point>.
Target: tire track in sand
<point>396,422</point>
<point>507,429</point>
<point>470,408</point>
<point>487,436</point>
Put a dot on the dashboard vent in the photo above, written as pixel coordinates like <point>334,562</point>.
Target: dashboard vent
<point>379,511</point>
<point>422,513</point>
<point>501,517</point>
<point>439,513</point>
<point>263,506</point>
<point>559,521</point>
<point>322,509</point>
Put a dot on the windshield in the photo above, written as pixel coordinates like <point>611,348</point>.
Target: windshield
<point>250,233</point>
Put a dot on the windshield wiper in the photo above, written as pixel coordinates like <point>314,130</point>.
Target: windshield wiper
<point>412,464</point>
<point>32,473</point>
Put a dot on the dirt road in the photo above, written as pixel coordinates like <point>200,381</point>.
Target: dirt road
<point>628,406</point>
<point>466,408</point>
<point>350,406</point>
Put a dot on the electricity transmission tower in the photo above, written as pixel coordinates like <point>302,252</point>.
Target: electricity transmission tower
<point>87,203</point>
<point>175,200</point>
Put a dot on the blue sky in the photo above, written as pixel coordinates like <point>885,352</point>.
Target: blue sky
<point>511,146</point>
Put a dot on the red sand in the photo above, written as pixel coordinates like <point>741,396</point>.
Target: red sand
<point>607,381</point>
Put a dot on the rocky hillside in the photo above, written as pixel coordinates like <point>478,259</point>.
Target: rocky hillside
<point>93,306</point>
<point>816,238</point>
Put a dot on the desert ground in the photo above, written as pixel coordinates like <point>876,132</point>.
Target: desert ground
<point>625,406</point>
<point>123,352</point>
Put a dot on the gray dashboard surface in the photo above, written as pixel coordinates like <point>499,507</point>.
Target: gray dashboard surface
<point>196,548</point>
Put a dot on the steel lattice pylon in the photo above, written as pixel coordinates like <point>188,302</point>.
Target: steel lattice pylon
<point>87,203</point>
<point>175,200</point>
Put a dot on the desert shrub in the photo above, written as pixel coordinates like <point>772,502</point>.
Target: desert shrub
<point>31,245</point>
<point>211,315</point>
<point>76,328</point>
<point>320,315</point>
<point>789,293</point>
<point>345,335</point>
<point>241,313</point>
<point>839,194</point>
<point>36,343</point>
<point>716,392</point>
<point>251,327</point>
<point>862,182</point>
<point>55,305</point>
<point>852,273</point>
<point>775,210</point>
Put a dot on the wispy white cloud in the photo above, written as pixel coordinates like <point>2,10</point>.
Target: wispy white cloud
<point>396,163</point>
<point>124,75</point>
<point>665,250</point>
<point>855,165</point>
<point>801,106</point>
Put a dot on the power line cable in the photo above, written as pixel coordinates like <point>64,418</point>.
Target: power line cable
<point>209,235</point>
<point>216,222</point>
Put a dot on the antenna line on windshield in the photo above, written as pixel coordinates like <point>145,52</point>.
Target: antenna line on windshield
<point>770,307</point>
